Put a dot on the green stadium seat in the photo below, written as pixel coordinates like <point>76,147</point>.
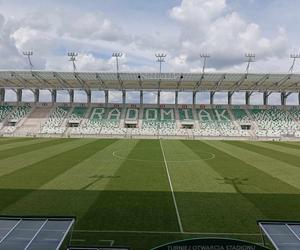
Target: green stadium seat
<point>4,111</point>
<point>273,122</point>
<point>54,124</point>
<point>101,120</point>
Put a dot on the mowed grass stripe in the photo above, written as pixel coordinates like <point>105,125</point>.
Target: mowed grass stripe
<point>75,202</point>
<point>285,144</point>
<point>28,148</point>
<point>278,147</point>
<point>216,211</point>
<point>144,201</point>
<point>95,171</point>
<point>147,174</point>
<point>72,202</point>
<point>287,173</point>
<point>27,141</point>
<point>6,140</point>
<point>10,196</point>
<point>259,180</point>
<point>68,189</point>
<point>11,164</point>
<point>37,174</point>
<point>257,148</point>
<point>190,171</point>
<point>297,143</point>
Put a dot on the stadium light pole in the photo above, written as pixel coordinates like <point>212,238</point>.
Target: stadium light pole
<point>72,59</point>
<point>205,57</point>
<point>250,58</point>
<point>117,55</point>
<point>28,54</point>
<point>160,59</point>
<point>294,57</point>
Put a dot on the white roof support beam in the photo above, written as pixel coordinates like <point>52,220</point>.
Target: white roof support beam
<point>194,97</point>
<point>211,97</point>
<point>120,82</point>
<point>240,82</point>
<point>102,83</point>
<point>179,82</point>
<point>266,95</point>
<point>295,84</point>
<point>12,84</point>
<point>283,81</point>
<point>198,84</point>
<point>247,97</point>
<point>140,82</point>
<point>194,82</point>
<point>61,80</point>
<point>42,81</point>
<point>81,82</point>
<point>159,82</point>
<point>229,97</point>
<point>260,82</point>
<point>286,94</point>
<point>2,84</point>
<point>219,82</point>
<point>20,79</point>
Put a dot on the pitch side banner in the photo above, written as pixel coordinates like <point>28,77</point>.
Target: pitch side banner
<point>210,244</point>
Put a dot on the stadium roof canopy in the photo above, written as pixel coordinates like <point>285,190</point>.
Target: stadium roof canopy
<point>150,81</point>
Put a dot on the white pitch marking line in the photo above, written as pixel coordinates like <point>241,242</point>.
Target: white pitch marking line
<point>171,187</point>
<point>111,242</point>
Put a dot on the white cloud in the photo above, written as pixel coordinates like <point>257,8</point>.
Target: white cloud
<point>11,58</point>
<point>193,12</point>
<point>209,26</point>
<point>94,26</point>
<point>201,26</point>
<point>55,33</point>
<point>192,27</point>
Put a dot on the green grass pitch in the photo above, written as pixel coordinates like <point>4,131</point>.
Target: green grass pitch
<point>143,193</point>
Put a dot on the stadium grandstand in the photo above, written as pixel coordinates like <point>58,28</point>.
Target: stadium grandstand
<point>187,121</point>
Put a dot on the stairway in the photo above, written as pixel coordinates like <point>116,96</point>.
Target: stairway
<point>34,120</point>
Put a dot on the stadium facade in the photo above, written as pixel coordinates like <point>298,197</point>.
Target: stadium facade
<point>189,121</point>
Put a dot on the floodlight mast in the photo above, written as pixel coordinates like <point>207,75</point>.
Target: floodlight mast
<point>294,57</point>
<point>28,54</point>
<point>251,58</point>
<point>117,55</point>
<point>72,59</point>
<point>205,57</point>
<point>160,58</point>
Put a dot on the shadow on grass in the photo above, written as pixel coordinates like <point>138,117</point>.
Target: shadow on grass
<point>113,211</point>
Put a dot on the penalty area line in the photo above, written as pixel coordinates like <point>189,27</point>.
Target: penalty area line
<point>171,187</point>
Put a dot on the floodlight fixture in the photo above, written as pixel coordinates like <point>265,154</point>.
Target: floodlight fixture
<point>72,59</point>
<point>117,55</point>
<point>250,58</point>
<point>160,59</point>
<point>294,57</point>
<point>28,54</point>
<point>205,57</point>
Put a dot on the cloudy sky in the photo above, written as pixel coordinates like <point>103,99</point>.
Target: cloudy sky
<point>225,29</point>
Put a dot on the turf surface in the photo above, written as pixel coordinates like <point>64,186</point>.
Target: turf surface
<point>121,194</point>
